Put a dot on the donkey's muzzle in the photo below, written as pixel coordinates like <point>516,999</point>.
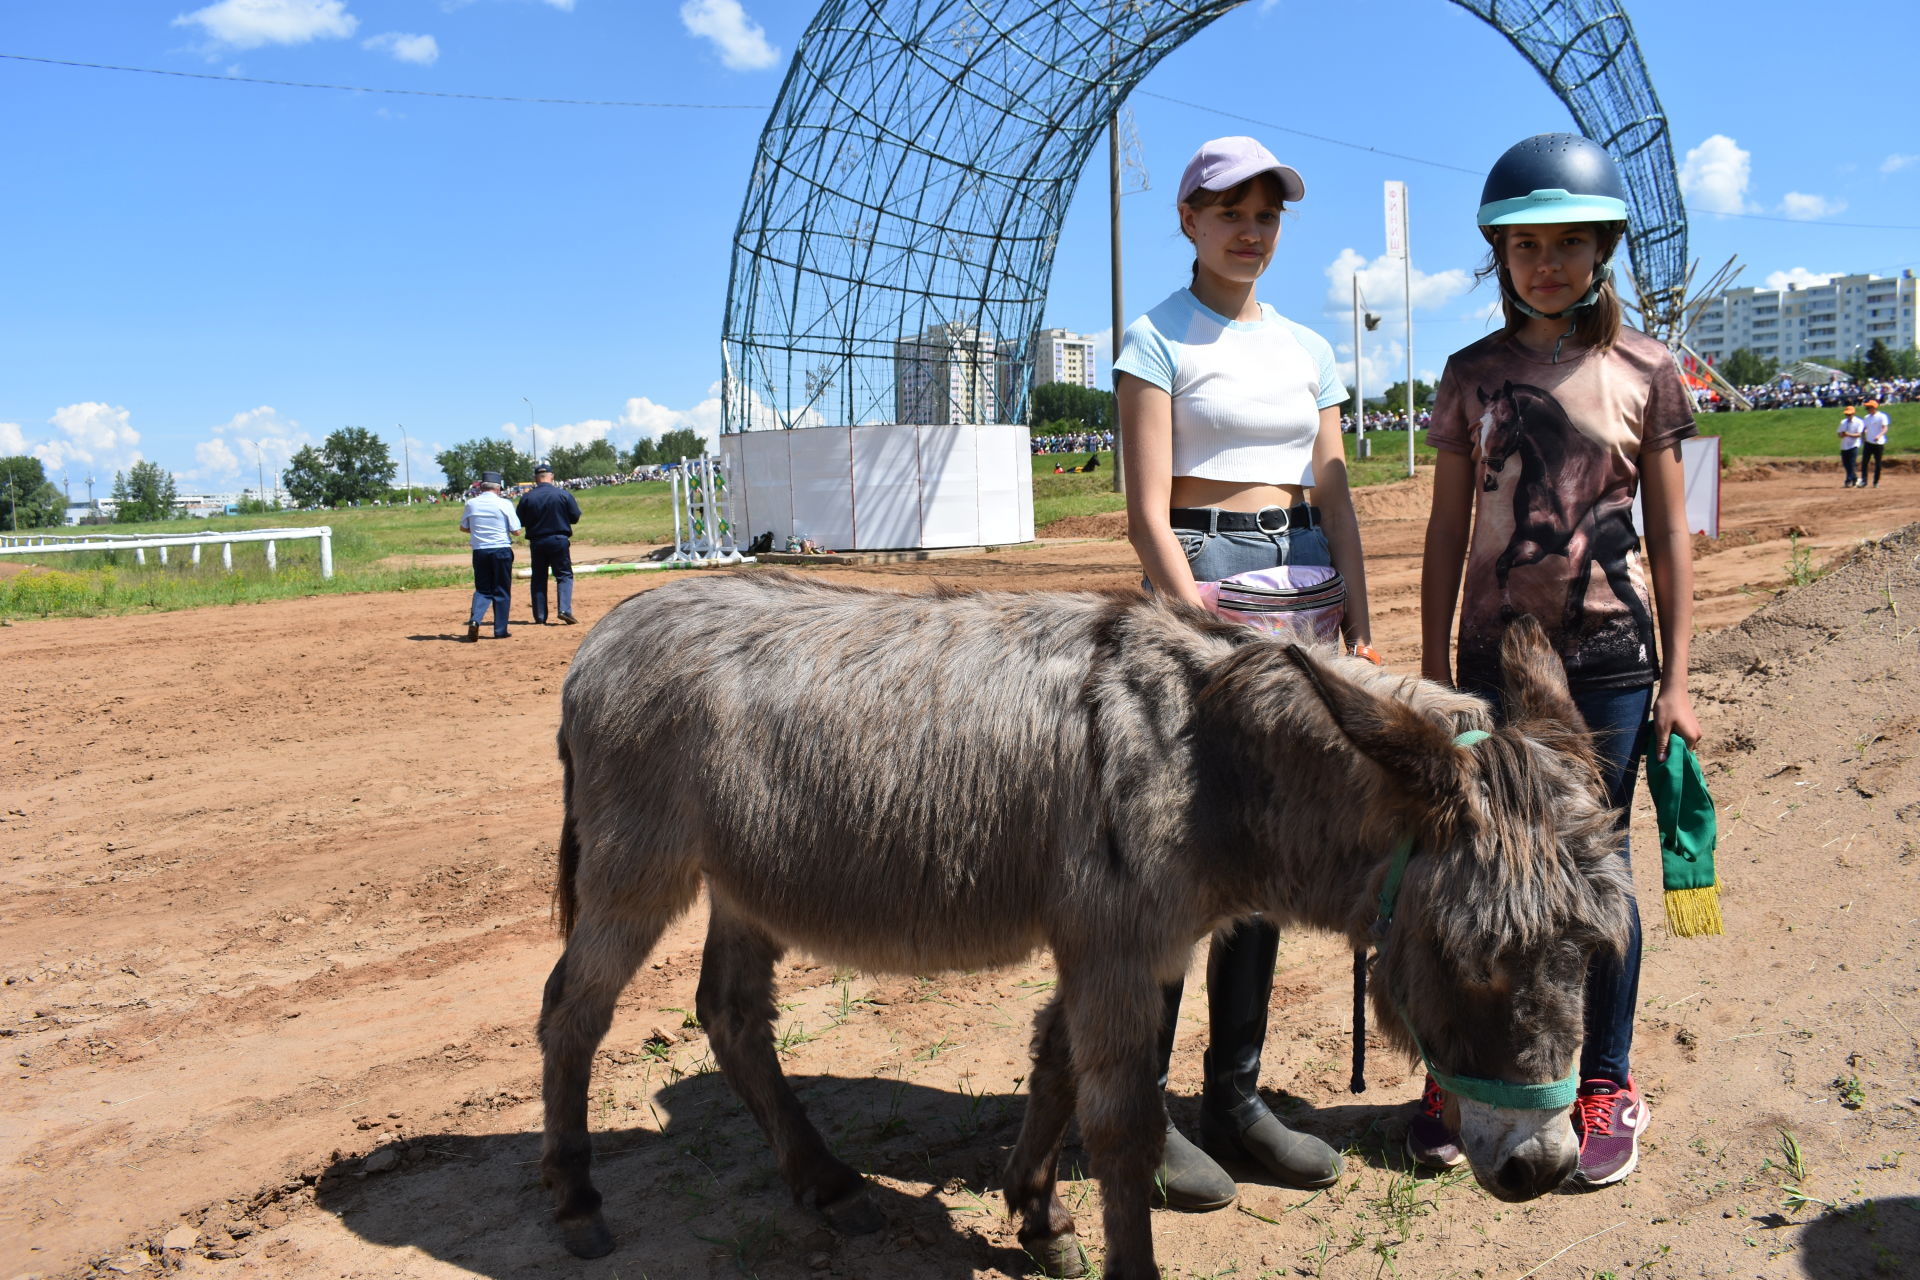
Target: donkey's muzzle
<point>1526,1177</point>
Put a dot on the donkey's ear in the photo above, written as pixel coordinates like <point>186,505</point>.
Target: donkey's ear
<point>1535,680</point>
<point>1417,753</point>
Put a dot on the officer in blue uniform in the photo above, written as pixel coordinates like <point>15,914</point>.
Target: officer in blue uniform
<point>549,514</point>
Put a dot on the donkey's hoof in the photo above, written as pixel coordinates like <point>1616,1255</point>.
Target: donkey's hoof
<point>587,1237</point>
<point>1058,1256</point>
<point>854,1214</point>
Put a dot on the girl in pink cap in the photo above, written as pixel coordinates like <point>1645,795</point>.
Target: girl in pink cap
<point>1230,431</point>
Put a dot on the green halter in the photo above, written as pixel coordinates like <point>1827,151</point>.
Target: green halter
<point>1552,1096</point>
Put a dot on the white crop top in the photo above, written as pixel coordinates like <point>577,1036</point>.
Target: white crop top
<point>1247,394</point>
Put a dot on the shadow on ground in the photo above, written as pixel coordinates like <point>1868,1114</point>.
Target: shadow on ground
<point>1862,1241</point>
<point>702,1196</point>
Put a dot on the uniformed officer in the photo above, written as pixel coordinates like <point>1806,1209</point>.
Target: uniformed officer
<point>549,513</point>
<point>490,523</point>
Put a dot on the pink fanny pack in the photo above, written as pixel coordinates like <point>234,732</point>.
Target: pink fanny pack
<point>1308,600</point>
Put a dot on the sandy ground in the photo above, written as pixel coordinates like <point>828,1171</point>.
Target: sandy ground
<point>274,894</point>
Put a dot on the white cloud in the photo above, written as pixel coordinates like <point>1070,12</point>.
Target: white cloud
<point>424,50</point>
<point>1804,207</point>
<point>93,434</point>
<point>249,442</point>
<point>1895,163</point>
<point>1383,282</point>
<point>565,6</point>
<point>742,42</point>
<point>1799,278</point>
<point>1714,175</point>
<point>13,441</point>
<point>571,435</point>
<point>654,420</point>
<point>248,24</point>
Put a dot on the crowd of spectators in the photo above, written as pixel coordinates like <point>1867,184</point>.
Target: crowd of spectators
<point>1381,420</point>
<point>1074,442</point>
<point>1824,395</point>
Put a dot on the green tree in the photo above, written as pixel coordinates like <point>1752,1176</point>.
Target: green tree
<point>1395,398</point>
<point>359,468</point>
<point>1880,362</point>
<point>595,458</point>
<point>1744,368</point>
<point>1054,402</point>
<point>32,502</point>
<point>465,463</point>
<point>146,492</point>
<point>306,478</point>
<point>671,447</point>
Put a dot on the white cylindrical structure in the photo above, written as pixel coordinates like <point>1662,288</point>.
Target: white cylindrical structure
<point>273,561</point>
<point>885,487</point>
<point>163,555</point>
<point>326,551</point>
<point>226,556</point>
<point>196,553</point>
<point>139,555</point>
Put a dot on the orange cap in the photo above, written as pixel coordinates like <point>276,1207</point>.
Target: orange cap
<point>1848,411</point>
<point>1873,404</point>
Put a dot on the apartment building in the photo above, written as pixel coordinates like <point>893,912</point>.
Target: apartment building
<point>1062,356</point>
<point>1828,323</point>
<point>946,375</point>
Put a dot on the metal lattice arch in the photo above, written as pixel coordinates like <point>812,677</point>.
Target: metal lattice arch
<point>908,190</point>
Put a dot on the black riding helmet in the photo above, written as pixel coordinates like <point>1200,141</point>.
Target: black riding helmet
<point>1552,179</point>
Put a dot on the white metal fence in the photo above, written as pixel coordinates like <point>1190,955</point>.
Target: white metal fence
<point>39,544</point>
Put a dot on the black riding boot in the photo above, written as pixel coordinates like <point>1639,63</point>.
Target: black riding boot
<point>1187,1177</point>
<point>1234,1123</point>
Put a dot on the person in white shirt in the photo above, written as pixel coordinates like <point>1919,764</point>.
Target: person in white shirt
<point>1873,436</point>
<point>1850,430</point>
<point>1230,418</point>
<point>490,523</point>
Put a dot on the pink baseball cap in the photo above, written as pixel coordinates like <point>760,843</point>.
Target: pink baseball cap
<point>1225,163</point>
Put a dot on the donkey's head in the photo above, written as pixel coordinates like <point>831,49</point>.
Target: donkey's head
<point>1510,886</point>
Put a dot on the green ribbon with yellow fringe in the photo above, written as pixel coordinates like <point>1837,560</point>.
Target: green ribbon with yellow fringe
<point>1689,832</point>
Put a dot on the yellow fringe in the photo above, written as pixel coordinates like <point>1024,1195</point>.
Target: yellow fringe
<point>1694,912</point>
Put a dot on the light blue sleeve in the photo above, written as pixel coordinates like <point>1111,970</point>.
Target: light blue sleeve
<point>1332,389</point>
<point>1146,354</point>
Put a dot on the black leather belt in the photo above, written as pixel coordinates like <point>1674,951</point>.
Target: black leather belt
<point>1265,520</point>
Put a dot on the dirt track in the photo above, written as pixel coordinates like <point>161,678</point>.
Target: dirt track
<point>273,883</point>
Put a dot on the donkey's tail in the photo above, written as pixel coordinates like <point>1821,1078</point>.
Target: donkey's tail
<point>565,904</point>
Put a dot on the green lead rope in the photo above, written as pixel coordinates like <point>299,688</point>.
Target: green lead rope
<point>1555,1095</point>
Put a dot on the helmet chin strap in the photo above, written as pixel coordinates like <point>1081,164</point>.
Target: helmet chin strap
<point>1602,274</point>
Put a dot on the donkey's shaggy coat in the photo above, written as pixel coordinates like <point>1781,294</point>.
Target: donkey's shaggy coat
<point>910,783</point>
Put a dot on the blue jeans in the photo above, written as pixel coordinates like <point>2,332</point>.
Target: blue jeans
<point>1240,961</point>
<point>492,584</point>
<point>1613,982</point>
<point>553,552</point>
<point>1213,556</point>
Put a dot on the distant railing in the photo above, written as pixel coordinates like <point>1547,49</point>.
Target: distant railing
<point>35,544</point>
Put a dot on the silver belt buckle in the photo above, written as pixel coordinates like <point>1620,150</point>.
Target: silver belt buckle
<point>1286,520</point>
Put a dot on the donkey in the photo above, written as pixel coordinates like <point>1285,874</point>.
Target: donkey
<point>909,783</point>
<point>1557,459</point>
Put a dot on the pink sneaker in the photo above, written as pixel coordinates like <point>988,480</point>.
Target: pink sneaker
<point>1430,1143</point>
<point>1609,1118</point>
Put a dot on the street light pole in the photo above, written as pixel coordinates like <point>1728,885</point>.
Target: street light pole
<point>406,461</point>
<point>534,432</point>
<point>259,474</point>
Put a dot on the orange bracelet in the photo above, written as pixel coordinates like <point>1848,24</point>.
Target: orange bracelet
<point>1368,652</point>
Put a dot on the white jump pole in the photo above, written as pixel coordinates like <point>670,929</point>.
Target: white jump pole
<point>273,561</point>
<point>226,556</point>
<point>326,551</point>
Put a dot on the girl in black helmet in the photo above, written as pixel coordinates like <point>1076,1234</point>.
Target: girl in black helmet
<point>1545,432</point>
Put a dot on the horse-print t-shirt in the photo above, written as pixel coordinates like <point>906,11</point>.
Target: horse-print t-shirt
<point>1556,452</point>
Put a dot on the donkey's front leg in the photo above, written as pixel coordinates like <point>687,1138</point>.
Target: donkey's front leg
<point>1046,1228</point>
<point>1113,1017</point>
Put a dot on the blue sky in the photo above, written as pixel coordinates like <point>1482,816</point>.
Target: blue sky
<point>199,267</point>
